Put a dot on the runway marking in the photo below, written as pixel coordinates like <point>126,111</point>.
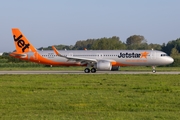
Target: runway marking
<point>82,72</point>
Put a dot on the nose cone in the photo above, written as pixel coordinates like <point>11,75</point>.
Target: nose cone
<point>169,60</point>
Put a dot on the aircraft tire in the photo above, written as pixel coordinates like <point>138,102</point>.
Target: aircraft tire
<point>154,71</point>
<point>86,70</point>
<point>93,70</point>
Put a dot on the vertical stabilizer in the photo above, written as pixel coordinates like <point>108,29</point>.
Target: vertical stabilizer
<point>21,43</point>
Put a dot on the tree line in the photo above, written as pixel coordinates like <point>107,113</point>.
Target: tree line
<point>134,42</point>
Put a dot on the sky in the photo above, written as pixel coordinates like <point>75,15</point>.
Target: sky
<point>53,22</point>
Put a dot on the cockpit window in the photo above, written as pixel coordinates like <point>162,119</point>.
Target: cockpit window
<point>164,55</point>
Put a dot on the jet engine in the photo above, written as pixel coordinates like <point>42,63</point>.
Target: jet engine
<point>103,65</point>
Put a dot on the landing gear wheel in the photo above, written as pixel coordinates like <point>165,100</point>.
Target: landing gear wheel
<point>154,71</point>
<point>93,70</point>
<point>86,70</point>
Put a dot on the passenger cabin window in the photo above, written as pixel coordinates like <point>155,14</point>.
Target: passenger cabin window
<point>164,55</point>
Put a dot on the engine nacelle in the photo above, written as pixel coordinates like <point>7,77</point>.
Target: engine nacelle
<point>103,65</point>
<point>115,68</point>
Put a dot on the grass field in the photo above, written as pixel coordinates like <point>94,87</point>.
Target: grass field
<point>131,68</point>
<point>90,97</point>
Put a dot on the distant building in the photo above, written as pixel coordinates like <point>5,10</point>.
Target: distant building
<point>1,54</point>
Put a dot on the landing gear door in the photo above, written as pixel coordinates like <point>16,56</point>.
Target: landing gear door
<point>153,55</point>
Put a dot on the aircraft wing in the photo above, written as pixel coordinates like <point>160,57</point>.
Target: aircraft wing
<point>77,59</point>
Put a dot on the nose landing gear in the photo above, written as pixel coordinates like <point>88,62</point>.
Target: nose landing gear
<point>153,69</point>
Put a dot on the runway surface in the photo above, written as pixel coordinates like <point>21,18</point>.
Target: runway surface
<point>82,72</point>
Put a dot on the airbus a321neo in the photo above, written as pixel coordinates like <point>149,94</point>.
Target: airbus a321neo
<point>93,59</point>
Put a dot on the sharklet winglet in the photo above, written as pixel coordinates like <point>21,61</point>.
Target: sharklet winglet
<point>56,51</point>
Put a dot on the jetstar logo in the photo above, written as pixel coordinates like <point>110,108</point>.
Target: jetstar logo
<point>133,55</point>
<point>21,43</point>
<point>144,55</point>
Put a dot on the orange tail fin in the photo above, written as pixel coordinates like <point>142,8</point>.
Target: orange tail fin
<point>22,44</point>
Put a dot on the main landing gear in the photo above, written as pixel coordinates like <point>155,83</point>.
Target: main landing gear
<point>153,69</point>
<point>87,70</point>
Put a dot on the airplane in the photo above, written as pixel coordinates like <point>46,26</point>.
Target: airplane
<point>102,60</point>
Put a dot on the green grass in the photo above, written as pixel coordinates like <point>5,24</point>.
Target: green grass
<point>61,68</point>
<point>90,97</point>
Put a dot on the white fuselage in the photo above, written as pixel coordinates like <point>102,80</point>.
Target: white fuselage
<point>121,57</point>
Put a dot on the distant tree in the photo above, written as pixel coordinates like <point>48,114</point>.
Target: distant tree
<point>154,47</point>
<point>59,47</point>
<point>174,52</point>
<point>82,44</point>
<point>111,43</point>
<point>134,42</point>
<point>5,54</point>
<point>178,44</point>
<point>170,45</point>
<point>41,48</point>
